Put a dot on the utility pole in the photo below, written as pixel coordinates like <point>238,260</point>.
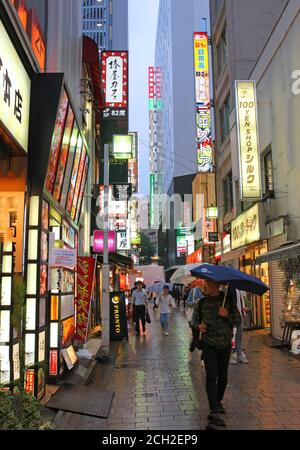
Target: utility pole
<point>105,268</point>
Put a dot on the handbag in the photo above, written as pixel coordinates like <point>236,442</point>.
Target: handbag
<point>147,316</point>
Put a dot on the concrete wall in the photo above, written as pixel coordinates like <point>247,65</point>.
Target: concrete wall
<point>64,43</point>
<point>278,112</point>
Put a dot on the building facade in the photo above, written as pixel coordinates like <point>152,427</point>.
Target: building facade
<point>252,226</point>
<point>174,58</point>
<point>106,22</point>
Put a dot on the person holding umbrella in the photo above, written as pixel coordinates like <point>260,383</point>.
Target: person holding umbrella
<point>217,316</point>
<point>216,321</point>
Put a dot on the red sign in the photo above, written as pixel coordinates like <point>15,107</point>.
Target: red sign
<point>85,276</point>
<point>29,381</point>
<point>53,362</point>
<point>195,257</point>
<point>151,81</point>
<point>115,78</point>
<point>123,284</point>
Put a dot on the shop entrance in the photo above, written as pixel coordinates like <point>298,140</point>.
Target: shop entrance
<point>258,316</point>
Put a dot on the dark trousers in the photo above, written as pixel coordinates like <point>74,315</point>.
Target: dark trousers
<point>140,312</point>
<point>216,365</point>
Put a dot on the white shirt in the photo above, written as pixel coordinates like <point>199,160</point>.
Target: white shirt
<point>164,303</point>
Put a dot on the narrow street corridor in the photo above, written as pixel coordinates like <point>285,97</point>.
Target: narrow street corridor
<point>159,385</point>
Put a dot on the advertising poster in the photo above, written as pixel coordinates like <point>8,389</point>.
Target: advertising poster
<point>74,174</point>
<point>85,279</point>
<point>63,155</point>
<point>56,141</point>
<point>45,215</point>
<point>82,187</point>
<point>78,184</point>
<point>53,363</point>
<point>118,321</point>
<point>68,330</point>
<point>29,381</point>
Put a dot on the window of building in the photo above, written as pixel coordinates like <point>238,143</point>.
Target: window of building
<point>268,174</point>
<point>225,118</point>
<point>228,193</point>
<point>222,51</point>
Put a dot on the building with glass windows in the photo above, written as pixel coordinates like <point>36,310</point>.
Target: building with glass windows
<point>106,22</point>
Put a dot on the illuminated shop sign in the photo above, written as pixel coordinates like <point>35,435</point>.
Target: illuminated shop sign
<point>246,110</point>
<point>15,88</point>
<point>245,229</point>
<point>115,78</point>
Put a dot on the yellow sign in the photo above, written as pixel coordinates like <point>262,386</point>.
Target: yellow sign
<point>245,228</point>
<point>246,108</point>
<point>15,89</point>
<point>201,69</point>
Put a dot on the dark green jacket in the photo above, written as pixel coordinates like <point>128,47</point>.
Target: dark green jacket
<point>219,329</point>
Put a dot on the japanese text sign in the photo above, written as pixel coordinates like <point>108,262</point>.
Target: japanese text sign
<point>246,110</point>
<point>85,277</point>
<point>15,87</point>
<point>245,228</point>
<point>115,78</point>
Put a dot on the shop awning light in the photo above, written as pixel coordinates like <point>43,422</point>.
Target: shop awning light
<point>212,212</point>
<point>122,146</point>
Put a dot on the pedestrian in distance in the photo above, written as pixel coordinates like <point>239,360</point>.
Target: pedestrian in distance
<point>238,355</point>
<point>194,297</point>
<point>216,323</point>
<point>140,301</point>
<point>165,301</point>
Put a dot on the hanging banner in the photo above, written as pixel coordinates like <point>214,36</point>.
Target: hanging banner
<point>85,279</point>
<point>118,321</point>
<point>246,110</point>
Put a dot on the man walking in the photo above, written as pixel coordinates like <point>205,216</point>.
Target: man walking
<point>216,324</point>
<point>139,297</point>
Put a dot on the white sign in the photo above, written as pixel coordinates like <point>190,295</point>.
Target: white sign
<point>245,229</point>
<point>123,240</point>
<point>246,110</point>
<point>114,79</point>
<point>61,257</point>
<point>227,243</point>
<point>15,86</point>
<point>16,361</point>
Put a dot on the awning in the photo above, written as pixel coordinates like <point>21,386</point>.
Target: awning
<point>90,56</point>
<point>233,254</point>
<point>116,258</point>
<point>285,251</point>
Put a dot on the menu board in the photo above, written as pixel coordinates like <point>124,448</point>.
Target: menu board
<point>78,184</point>
<point>79,204</point>
<point>69,166</point>
<point>74,175</point>
<point>63,155</point>
<point>56,141</point>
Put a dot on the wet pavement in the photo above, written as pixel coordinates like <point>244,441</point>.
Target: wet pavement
<point>159,385</point>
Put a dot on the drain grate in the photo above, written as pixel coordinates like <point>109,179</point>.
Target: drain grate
<point>84,400</point>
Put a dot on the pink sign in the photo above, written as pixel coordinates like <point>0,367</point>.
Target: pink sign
<point>99,241</point>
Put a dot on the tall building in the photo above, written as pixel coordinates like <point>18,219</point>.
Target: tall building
<point>174,57</point>
<point>106,22</point>
<point>253,222</point>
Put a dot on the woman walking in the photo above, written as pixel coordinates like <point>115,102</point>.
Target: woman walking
<point>165,300</point>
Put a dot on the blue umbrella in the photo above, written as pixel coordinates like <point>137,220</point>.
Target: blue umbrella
<point>228,275</point>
